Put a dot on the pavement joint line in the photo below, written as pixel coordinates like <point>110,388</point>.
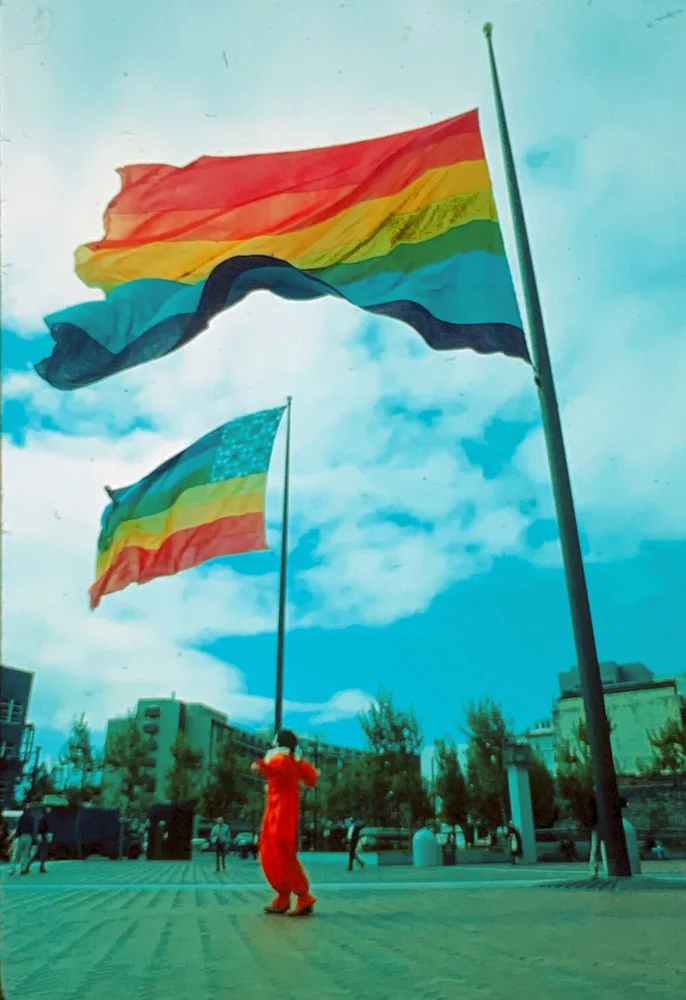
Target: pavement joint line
<point>230,887</point>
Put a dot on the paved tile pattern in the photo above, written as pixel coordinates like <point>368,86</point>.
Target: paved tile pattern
<point>105,931</point>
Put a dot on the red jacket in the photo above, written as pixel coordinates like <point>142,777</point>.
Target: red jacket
<point>284,774</point>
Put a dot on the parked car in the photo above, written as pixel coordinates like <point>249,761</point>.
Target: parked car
<point>244,844</point>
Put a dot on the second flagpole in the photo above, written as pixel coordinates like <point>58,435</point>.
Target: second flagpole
<point>281,627</point>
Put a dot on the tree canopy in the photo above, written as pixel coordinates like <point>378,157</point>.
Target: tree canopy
<point>182,777</point>
<point>127,753</point>
<point>81,761</point>
<point>229,782</point>
<point>451,786</point>
<point>488,735</point>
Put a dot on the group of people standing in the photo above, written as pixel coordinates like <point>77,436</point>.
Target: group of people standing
<point>30,842</point>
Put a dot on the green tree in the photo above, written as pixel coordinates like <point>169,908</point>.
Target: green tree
<point>543,793</point>
<point>346,791</point>
<point>182,776</point>
<point>226,788</point>
<point>669,749</point>
<point>451,786</point>
<point>82,762</point>
<point>488,735</point>
<point>252,806</point>
<point>127,753</point>
<point>575,776</point>
<point>42,783</point>
<point>391,781</point>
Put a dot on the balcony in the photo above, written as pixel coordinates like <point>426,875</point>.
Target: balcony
<point>150,762</point>
<point>12,711</point>
<point>151,746</point>
<point>27,741</point>
<point>151,728</point>
<point>153,712</point>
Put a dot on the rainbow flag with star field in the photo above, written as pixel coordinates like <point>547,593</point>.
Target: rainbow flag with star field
<point>403,226</point>
<point>208,501</point>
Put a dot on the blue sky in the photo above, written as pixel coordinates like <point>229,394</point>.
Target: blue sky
<point>424,552</point>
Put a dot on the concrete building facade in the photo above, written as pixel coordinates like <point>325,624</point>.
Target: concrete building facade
<point>636,702</point>
<point>161,719</point>
<point>541,738</point>
<point>16,733</point>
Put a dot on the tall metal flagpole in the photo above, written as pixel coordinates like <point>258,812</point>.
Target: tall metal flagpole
<point>281,630</point>
<point>604,777</point>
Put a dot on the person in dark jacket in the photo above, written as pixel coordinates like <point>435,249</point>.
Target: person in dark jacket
<point>44,838</point>
<point>24,843</point>
<point>5,840</point>
<point>515,839</point>
<point>354,831</point>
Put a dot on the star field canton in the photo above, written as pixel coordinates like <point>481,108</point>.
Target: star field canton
<point>206,502</point>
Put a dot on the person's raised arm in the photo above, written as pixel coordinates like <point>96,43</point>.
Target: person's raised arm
<point>307,774</point>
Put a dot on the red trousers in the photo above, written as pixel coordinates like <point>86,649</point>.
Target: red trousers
<point>283,870</point>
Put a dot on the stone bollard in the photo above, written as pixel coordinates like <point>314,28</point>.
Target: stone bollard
<point>425,849</point>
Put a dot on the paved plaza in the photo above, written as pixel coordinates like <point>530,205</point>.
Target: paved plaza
<point>101,930</point>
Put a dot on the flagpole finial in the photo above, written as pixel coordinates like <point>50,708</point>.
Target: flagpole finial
<point>488,30</point>
<point>289,400</point>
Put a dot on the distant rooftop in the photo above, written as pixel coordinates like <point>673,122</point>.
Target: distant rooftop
<point>16,670</point>
<point>613,675</point>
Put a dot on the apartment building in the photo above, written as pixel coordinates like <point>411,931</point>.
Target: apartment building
<point>16,733</point>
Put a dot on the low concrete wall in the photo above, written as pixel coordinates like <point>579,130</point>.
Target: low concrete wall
<point>655,805</point>
<point>393,858</point>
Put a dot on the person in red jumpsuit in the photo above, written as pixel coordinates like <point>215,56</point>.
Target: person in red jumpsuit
<point>284,771</point>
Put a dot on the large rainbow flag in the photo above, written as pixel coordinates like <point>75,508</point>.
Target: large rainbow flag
<point>403,226</point>
<point>207,501</point>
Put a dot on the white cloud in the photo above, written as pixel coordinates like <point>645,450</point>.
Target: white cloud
<point>365,570</point>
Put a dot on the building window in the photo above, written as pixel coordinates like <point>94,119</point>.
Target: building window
<point>151,728</point>
<point>152,712</point>
<point>11,711</point>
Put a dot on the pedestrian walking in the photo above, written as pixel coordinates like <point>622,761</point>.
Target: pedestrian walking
<point>44,839</point>
<point>160,838</point>
<point>219,838</point>
<point>284,771</point>
<point>5,840</point>
<point>354,831</point>
<point>24,837</point>
<point>515,839</point>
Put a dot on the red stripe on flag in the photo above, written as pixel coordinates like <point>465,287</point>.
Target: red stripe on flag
<point>185,549</point>
<point>226,182</point>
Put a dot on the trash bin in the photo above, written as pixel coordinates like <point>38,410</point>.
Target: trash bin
<point>449,854</point>
<point>425,850</point>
